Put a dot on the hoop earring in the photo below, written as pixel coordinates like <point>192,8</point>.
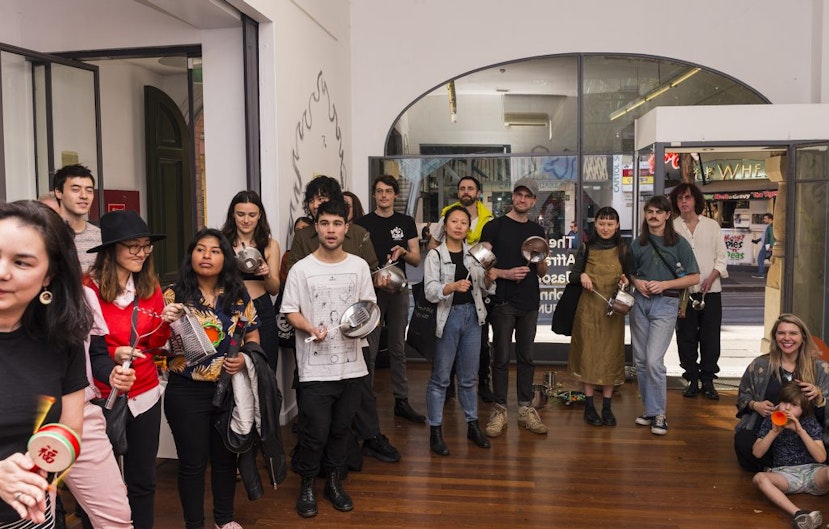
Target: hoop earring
<point>45,297</point>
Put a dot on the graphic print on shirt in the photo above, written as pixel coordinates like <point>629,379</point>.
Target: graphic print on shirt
<point>331,295</point>
<point>397,234</point>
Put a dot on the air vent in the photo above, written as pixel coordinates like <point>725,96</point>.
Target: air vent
<point>526,119</point>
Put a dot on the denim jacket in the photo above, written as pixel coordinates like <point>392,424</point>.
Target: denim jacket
<point>438,270</point>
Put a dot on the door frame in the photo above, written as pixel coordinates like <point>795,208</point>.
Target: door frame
<point>45,59</point>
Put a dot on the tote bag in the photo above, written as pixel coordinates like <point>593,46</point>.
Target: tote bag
<point>421,333</point>
<point>565,312</point>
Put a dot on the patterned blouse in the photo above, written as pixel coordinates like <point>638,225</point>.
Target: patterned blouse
<point>218,326</point>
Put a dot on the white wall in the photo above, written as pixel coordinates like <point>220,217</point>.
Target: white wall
<point>224,120</point>
<point>311,53</point>
<point>401,50</point>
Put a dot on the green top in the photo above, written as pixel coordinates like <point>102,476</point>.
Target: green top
<point>648,265</point>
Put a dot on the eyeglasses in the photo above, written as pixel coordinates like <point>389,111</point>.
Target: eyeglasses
<point>135,249</point>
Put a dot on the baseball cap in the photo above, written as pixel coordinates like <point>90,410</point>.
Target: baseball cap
<point>528,183</point>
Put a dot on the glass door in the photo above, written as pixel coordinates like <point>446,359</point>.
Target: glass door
<point>50,110</point>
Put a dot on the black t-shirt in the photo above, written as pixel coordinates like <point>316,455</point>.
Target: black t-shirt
<point>388,232</point>
<point>506,237</point>
<point>28,369</point>
<point>460,298</point>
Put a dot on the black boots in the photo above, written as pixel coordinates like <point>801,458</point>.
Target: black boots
<point>474,434</point>
<point>334,492</point>
<point>402,408</point>
<point>709,390</point>
<point>692,390</point>
<point>436,441</point>
<point>591,417</point>
<point>306,504</point>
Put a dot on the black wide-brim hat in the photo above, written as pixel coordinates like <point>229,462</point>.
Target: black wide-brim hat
<point>117,226</point>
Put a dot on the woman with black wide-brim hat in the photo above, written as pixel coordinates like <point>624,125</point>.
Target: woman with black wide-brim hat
<point>128,290</point>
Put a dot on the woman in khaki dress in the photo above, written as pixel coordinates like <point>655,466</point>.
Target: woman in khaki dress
<point>597,347</point>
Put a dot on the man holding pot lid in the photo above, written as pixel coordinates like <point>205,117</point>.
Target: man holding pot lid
<point>516,308</point>
<point>395,239</point>
<point>699,330</point>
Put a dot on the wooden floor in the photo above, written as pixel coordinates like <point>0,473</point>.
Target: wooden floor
<point>576,476</point>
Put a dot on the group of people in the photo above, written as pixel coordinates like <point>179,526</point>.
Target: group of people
<point>678,248</point>
<point>85,304</point>
<point>83,310</point>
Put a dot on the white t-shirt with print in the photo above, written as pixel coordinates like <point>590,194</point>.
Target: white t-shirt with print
<point>322,292</point>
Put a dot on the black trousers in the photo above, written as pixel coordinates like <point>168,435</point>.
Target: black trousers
<point>139,464</point>
<point>698,338</point>
<point>268,333</point>
<point>327,409</point>
<point>366,420</point>
<point>188,405</point>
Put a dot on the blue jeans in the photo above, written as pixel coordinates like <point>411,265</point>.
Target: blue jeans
<point>762,255</point>
<point>506,319</point>
<point>652,325</point>
<point>462,339</point>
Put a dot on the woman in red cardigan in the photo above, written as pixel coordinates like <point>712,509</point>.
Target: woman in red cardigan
<point>127,287</point>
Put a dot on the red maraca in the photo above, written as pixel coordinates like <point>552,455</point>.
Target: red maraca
<point>54,447</point>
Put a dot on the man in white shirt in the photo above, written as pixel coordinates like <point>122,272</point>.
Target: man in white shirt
<point>74,188</point>
<point>699,330</point>
<point>331,367</point>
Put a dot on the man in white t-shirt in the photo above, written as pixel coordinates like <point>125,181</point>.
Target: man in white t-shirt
<point>74,188</point>
<point>331,367</point>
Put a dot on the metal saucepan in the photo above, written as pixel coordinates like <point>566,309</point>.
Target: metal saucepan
<point>249,259</point>
<point>540,396</point>
<point>535,249</point>
<point>483,255</point>
<point>397,279</point>
<point>619,303</point>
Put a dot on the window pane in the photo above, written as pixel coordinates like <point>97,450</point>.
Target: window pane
<point>619,89</point>
<point>530,106</point>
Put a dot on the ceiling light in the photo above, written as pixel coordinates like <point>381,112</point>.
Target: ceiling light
<point>653,94</point>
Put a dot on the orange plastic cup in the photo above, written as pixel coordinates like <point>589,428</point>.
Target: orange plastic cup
<point>779,418</point>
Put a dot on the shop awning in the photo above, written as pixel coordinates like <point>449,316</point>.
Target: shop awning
<point>758,189</point>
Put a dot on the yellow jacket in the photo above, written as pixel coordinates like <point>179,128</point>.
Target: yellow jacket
<point>484,216</point>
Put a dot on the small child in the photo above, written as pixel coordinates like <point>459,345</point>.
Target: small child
<point>798,454</point>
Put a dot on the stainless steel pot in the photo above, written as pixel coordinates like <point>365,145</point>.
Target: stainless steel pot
<point>621,302</point>
<point>540,396</point>
<point>535,249</point>
<point>397,279</point>
<point>483,255</point>
<point>249,259</point>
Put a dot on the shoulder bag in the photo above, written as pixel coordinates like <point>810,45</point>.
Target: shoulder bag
<point>564,314</point>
